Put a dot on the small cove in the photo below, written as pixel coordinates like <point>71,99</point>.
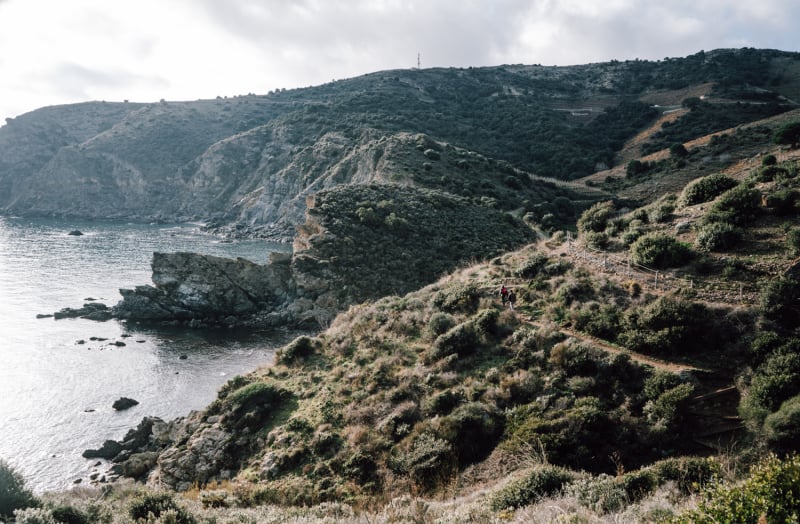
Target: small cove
<point>57,385</point>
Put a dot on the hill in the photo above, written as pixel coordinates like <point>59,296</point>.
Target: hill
<point>247,162</point>
<point>650,360</point>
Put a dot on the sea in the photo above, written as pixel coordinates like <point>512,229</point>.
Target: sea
<point>59,378</point>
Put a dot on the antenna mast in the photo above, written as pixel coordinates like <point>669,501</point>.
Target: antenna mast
<point>418,66</point>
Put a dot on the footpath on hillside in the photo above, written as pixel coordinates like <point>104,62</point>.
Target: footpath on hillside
<point>713,411</point>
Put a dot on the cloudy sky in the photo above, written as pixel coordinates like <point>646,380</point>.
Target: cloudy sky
<point>66,51</point>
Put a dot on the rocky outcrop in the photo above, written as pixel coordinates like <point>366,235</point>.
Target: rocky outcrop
<point>205,289</point>
<point>358,243</point>
<point>90,310</point>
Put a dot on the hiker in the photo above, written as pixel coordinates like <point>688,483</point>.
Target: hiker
<point>512,297</point>
<point>503,295</point>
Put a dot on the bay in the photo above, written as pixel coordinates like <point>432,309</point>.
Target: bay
<point>57,385</point>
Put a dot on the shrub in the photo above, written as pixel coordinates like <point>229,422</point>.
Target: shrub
<point>458,297</point>
<point>793,241</point>
<point>782,428</point>
<point>689,473</point>
<point>69,515</point>
<point>639,484</point>
<point>770,493</point>
<point>662,212</point>
<point>439,323</point>
<point>668,326</point>
<point>737,206</point>
<point>788,134</point>
<point>250,406</point>
<point>602,494</point>
<point>769,160</point>
<point>779,302</point>
<point>544,481</point>
<point>473,429</point>
<point>659,250</point>
<point>13,493</point>
<point>706,188</point>
<point>150,505</point>
<point>300,348</point>
<point>532,266</point>
<point>783,202</point>
<point>659,382</point>
<point>595,219</point>
<point>461,340</point>
<point>429,461</point>
<point>718,236</point>
<point>666,412</point>
<point>775,381</point>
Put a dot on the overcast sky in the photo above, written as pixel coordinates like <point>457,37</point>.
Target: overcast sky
<point>66,51</point>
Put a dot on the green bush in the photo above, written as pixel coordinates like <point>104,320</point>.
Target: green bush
<point>473,429</point>
<point>544,481</point>
<point>658,382</point>
<point>788,134</point>
<point>773,382</point>
<point>793,241</point>
<point>439,323</point>
<point>429,461</point>
<point>769,160</point>
<point>770,491</point>
<point>251,405</point>
<point>780,302</point>
<point>638,484</point>
<point>150,505</point>
<point>689,473</point>
<point>670,326</point>
<point>531,266</point>
<point>461,340</point>
<point>706,189</point>
<point>595,219</point>
<point>782,428</point>
<point>602,494</point>
<point>659,250</point>
<point>462,297</point>
<point>737,206</point>
<point>718,236</point>
<point>13,493</point>
<point>783,202</point>
<point>70,515</point>
<point>298,349</point>
<point>666,412</point>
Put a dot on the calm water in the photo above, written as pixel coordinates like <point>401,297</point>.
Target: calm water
<point>56,394</point>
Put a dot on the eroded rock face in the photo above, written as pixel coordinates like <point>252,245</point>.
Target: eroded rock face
<point>207,289</point>
<point>201,459</point>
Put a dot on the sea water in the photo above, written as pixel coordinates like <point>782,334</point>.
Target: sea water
<point>57,385</point>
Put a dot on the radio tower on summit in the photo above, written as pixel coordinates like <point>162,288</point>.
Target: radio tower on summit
<point>418,66</point>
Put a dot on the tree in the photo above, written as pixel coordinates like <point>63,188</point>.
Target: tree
<point>789,134</point>
<point>678,150</point>
<point>13,493</point>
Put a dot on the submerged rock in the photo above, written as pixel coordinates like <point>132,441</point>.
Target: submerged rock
<point>90,310</point>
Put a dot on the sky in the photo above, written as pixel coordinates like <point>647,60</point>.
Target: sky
<point>67,51</point>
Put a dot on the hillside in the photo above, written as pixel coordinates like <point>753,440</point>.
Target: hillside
<point>605,394</point>
<point>246,163</point>
<point>644,213</point>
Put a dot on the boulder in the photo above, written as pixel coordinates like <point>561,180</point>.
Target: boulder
<point>124,403</point>
<point>75,233</point>
<point>109,450</point>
